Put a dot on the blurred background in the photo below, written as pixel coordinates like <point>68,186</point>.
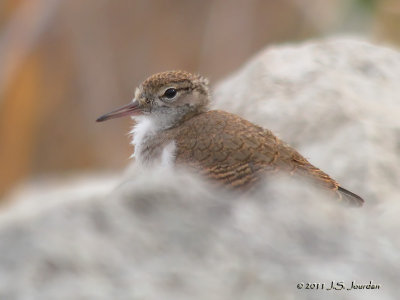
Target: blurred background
<point>64,63</point>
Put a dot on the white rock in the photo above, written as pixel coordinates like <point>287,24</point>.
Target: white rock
<point>336,100</point>
<point>153,239</point>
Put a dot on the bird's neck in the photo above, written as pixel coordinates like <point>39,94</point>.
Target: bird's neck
<point>143,133</point>
<point>150,131</point>
<point>173,117</point>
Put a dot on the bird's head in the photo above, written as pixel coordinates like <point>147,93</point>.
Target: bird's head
<point>167,97</point>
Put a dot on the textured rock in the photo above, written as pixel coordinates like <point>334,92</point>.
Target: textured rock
<point>336,101</point>
<point>151,239</point>
<point>167,235</point>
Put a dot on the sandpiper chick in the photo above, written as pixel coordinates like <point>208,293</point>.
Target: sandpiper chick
<point>174,125</point>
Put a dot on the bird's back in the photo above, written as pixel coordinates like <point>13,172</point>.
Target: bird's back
<point>235,152</point>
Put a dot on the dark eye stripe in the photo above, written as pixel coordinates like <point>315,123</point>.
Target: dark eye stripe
<point>184,89</point>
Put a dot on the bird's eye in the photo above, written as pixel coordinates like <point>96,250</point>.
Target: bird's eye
<point>170,93</point>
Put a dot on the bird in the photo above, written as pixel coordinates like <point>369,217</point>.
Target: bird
<point>175,126</point>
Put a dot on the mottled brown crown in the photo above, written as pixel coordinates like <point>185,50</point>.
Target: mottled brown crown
<point>170,77</point>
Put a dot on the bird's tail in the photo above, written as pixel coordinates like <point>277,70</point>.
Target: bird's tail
<point>349,197</point>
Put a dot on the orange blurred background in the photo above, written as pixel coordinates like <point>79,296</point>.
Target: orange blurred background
<point>64,63</point>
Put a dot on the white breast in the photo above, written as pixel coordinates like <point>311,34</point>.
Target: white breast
<point>143,129</point>
<point>143,132</point>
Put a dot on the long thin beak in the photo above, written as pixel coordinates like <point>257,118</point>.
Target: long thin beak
<point>129,109</point>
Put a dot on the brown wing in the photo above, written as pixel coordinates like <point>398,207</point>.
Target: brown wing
<point>235,152</point>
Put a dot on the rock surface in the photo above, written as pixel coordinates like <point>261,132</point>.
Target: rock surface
<point>335,100</point>
<point>167,235</point>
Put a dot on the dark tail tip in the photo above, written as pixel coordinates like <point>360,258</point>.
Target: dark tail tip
<point>350,197</point>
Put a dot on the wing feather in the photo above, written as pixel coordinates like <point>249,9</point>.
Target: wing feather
<point>235,152</point>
